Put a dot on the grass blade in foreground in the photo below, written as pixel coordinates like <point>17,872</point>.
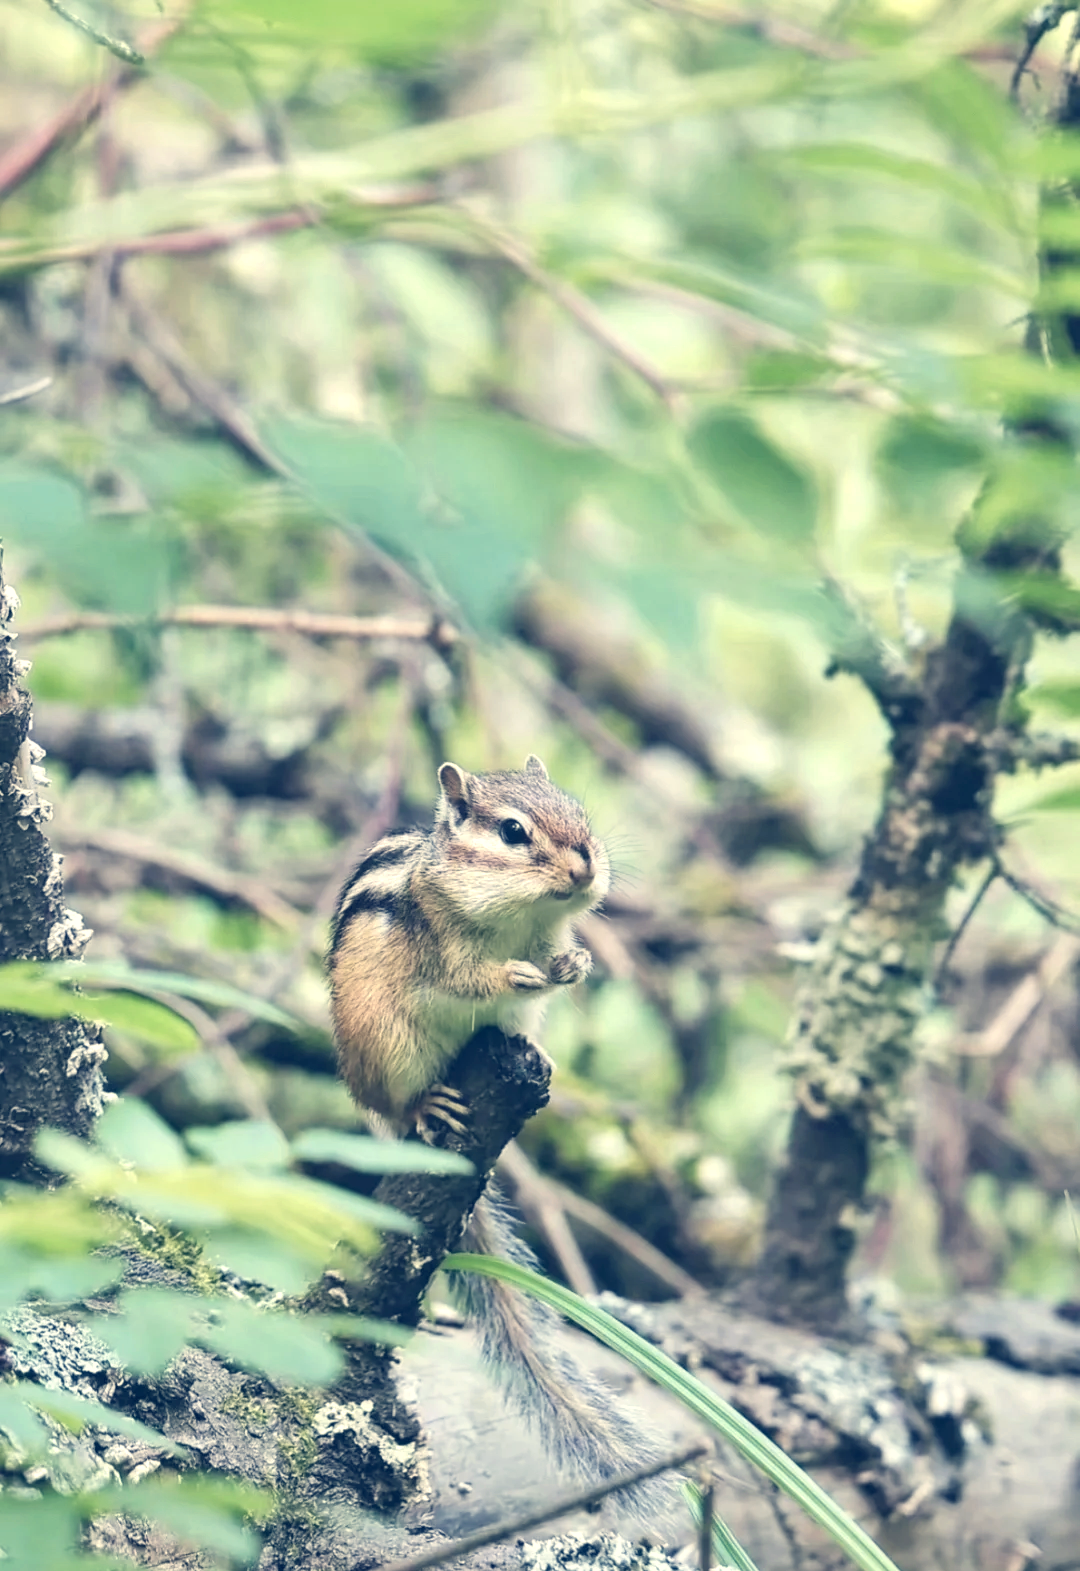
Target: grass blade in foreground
<point>757,1448</point>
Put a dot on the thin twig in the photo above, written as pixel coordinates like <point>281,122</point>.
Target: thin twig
<point>1023,1003</point>
<point>961,927</point>
<point>535,1198</point>
<point>31,390</point>
<point>1048,909</point>
<point>609,1227</point>
<point>706,1505</point>
<point>1043,20</point>
<point>198,242</point>
<point>242,1082</point>
<point>28,154</point>
<point>228,414</point>
<point>312,624</point>
<point>115,46</point>
<point>218,880</point>
<point>574,303</point>
<point>773,30</point>
<point>587,1497</point>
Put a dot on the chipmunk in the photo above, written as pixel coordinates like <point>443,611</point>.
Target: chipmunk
<point>437,933</point>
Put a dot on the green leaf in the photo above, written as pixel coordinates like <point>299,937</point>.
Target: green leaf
<point>75,1412</point>
<point>727,1550</point>
<point>131,1131</point>
<point>21,1424</point>
<point>40,1534</point>
<point>391,35</point>
<point>987,199</point>
<point>919,454</point>
<point>1063,697</point>
<point>115,973</point>
<point>119,565</point>
<point>292,1348</point>
<point>27,989</point>
<point>922,261</point>
<point>146,1019</point>
<point>472,497</point>
<point>246,1142</point>
<point>254,1257</point>
<point>697,1399</point>
<point>366,1155</point>
<point>786,370</point>
<point>71,1156</point>
<point>208,1511</point>
<point>31,987</point>
<point>768,491</point>
<point>1064,800</point>
<point>150,1328</point>
<point>387,1333</point>
<point>58,1278</point>
<point>358,477</point>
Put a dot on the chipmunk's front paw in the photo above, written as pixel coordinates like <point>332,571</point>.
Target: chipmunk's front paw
<point>524,977</point>
<point>445,1104</point>
<point>573,966</point>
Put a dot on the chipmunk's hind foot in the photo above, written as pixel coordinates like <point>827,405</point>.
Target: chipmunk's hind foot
<point>445,1104</point>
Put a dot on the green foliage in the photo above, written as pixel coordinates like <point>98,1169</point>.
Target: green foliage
<point>55,990</point>
<point>676,312</point>
<point>766,489</point>
<point>245,1209</point>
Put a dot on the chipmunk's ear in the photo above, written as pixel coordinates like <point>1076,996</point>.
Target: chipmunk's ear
<point>534,766</point>
<point>455,788</point>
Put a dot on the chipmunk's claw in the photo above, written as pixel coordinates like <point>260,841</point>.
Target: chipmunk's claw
<point>445,1104</point>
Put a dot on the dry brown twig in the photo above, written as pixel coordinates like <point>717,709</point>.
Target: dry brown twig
<point>537,1199</point>
<point>37,146</point>
<point>311,624</point>
<point>19,395</point>
<point>252,892</point>
<point>242,1082</point>
<point>574,303</point>
<point>1023,1003</point>
<point>653,1260</point>
<point>575,1502</point>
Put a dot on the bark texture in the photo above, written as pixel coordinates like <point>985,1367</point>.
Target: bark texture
<point>50,1070</point>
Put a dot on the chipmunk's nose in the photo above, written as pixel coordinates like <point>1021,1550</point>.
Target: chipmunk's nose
<point>581,866</point>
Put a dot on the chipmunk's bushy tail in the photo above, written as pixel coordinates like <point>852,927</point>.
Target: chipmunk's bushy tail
<point>581,1424</point>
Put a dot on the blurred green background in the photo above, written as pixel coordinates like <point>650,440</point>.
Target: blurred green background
<point>601,333</point>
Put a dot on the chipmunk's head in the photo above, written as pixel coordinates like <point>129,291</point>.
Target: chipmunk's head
<point>519,842</point>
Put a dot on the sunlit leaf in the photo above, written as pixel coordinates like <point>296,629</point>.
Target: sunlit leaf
<point>75,1412</point>
<point>767,490</point>
<point>150,1327</point>
<point>131,1131</point>
<point>1066,799</point>
<point>61,1279</point>
<point>293,1348</point>
<point>118,565</point>
<point>367,1155</point>
<point>31,988</point>
<point>208,1511</point>
<point>919,454</point>
<point>390,34</point>
<point>248,1142</point>
<point>1064,697</point>
<point>36,1533</point>
<point>114,973</point>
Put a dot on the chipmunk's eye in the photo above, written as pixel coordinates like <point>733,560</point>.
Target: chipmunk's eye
<point>513,833</point>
